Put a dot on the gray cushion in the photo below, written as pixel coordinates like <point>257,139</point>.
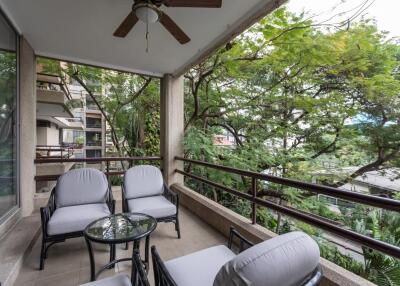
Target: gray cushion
<point>75,218</point>
<point>143,181</point>
<point>118,280</point>
<point>199,268</point>
<point>285,260</point>
<point>157,206</point>
<point>81,186</point>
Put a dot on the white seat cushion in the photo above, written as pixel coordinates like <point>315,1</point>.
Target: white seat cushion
<point>118,280</point>
<point>285,260</point>
<point>199,268</point>
<point>81,186</point>
<point>157,206</point>
<point>143,181</point>
<point>75,218</point>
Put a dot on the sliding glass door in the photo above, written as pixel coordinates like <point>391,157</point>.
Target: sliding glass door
<point>8,118</point>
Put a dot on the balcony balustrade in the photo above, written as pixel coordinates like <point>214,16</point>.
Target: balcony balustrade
<point>255,202</point>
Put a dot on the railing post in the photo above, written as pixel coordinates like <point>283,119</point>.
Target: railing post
<point>253,204</point>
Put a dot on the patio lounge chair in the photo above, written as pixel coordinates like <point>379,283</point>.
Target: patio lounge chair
<point>144,191</point>
<point>80,197</point>
<point>291,259</point>
<point>138,274</point>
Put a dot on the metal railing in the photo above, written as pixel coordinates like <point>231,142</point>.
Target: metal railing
<point>106,160</point>
<point>54,151</point>
<point>93,125</point>
<point>55,86</point>
<point>319,222</point>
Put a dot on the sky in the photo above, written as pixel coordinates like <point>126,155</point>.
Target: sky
<point>385,12</point>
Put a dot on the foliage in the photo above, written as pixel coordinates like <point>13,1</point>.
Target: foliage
<point>301,100</point>
<point>130,104</point>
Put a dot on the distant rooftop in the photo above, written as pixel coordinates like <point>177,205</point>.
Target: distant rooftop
<point>388,179</point>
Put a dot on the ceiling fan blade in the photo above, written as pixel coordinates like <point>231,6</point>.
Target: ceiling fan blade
<point>126,25</point>
<point>174,29</point>
<point>194,3</point>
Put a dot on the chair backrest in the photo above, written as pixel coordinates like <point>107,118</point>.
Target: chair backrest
<point>285,260</point>
<point>143,181</point>
<point>80,187</point>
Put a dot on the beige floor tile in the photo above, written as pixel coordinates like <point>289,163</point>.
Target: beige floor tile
<point>65,279</point>
<point>68,262</point>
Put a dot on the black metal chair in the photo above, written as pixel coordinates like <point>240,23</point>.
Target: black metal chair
<point>80,197</point>
<point>138,275</point>
<point>144,191</point>
<point>295,262</point>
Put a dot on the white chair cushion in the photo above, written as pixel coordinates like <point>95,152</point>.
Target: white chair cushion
<point>285,260</point>
<point>118,280</point>
<point>75,218</point>
<point>81,186</point>
<point>199,268</point>
<point>157,206</point>
<point>143,181</point>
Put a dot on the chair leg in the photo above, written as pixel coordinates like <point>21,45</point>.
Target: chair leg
<point>177,227</point>
<point>112,254</point>
<point>42,255</point>
<point>146,253</point>
<point>126,245</point>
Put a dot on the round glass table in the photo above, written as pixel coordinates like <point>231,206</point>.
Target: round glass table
<point>117,229</point>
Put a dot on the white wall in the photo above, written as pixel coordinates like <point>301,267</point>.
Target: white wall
<point>53,137</point>
<point>47,136</point>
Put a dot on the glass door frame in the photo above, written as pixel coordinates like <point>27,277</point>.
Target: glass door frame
<point>17,148</point>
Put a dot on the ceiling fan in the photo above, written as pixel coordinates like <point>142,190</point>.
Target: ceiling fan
<point>149,11</point>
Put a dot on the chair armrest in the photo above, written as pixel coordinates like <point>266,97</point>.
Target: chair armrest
<point>110,200</point>
<point>161,274</point>
<point>314,278</point>
<point>138,272</point>
<point>124,199</point>
<point>47,211</point>
<point>242,240</point>
<point>172,196</point>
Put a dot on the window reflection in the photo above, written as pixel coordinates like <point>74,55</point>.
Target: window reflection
<point>8,117</point>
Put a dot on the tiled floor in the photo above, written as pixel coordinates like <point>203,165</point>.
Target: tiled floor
<point>68,263</point>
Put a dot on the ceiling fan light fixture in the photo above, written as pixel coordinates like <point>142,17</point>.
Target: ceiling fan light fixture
<point>147,13</point>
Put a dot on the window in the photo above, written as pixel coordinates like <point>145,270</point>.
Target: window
<point>93,122</point>
<point>8,117</point>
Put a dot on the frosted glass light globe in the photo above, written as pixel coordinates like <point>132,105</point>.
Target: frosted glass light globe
<point>146,14</point>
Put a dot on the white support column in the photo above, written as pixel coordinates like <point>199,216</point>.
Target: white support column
<point>27,119</point>
<point>172,127</point>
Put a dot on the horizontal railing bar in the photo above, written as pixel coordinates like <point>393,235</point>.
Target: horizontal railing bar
<point>100,159</point>
<point>375,201</point>
<point>44,178</point>
<point>381,246</point>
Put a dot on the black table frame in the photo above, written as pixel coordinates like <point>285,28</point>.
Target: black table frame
<point>136,244</point>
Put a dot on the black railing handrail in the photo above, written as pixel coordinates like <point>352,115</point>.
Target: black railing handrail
<point>375,201</point>
<point>311,219</point>
<point>99,159</point>
<point>107,160</point>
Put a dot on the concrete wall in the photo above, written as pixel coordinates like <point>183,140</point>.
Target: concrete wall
<point>47,136</point>
<point>41,135</point>
<point>27,126</point>
<point>53,136</point>
<point>172,127</point>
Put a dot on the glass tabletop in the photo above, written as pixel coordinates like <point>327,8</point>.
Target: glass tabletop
<point>119,228</point>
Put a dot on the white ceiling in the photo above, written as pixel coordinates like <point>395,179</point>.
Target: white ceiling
<point>82,31</point>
